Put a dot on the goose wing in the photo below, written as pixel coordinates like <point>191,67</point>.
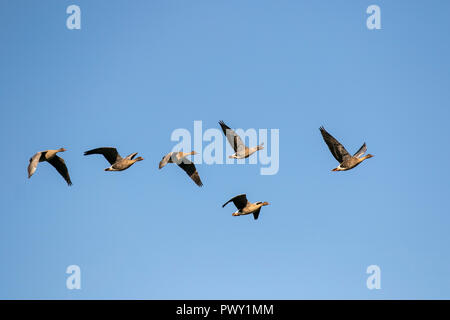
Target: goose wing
<point>239,201</point>
<point>337,149</point>
<point>256,214</point>
<point>233,138</point>
<point>165,160</point>
<point>191,171</point>
<point>361,151</point>
<point>110,154</point>
<point>34,161</point>
<point>61,167</point>
<point>131,156</point>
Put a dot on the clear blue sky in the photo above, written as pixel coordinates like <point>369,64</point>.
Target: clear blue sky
<point>137,71</point>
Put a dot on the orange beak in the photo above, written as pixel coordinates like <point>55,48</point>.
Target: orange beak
<point>335,169</point>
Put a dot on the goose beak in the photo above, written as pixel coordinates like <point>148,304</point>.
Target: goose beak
<point>335,169</point>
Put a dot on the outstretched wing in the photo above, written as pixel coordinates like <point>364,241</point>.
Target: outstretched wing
<point>131,156</point>
<point>34,161</point>
<point>61,167</point>
<point>256,214</point>
<point>191,171</point>
<point>361,151</point>
<point>239,201</point>
<point>165,160</point>
<point>337,149</point>
<point>110,154</point>
<point>233,138</point>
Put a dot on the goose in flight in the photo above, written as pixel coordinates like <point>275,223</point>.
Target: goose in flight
<point>346,161</point>
<point>117,162</point>
<point>242,151</point>
<point>51,157</point>
<point>180,159</point>
<point>245,207</point>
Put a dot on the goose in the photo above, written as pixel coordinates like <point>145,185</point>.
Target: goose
<point>117,162</point>
<point>242,151</point>
<point>51,157</point>
<point>245,207</point>
<point>346,161</point>
<point>180,159</point>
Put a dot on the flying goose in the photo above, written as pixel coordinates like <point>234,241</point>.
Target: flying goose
<point>51,157</point>
<point>245,207</point>
<point>180,159</point>
<point>242,151</point>
<point>346,161</point>
<point>117,162</point>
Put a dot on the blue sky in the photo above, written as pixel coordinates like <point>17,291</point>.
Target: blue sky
<point>136,72</point>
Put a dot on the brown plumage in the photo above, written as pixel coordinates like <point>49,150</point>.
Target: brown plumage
<point>242,151</point>
<point>50,157</point>
<point>245,207</point>
<point>346,161</point>
<point>113,157</point>
<point>180,159</point>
